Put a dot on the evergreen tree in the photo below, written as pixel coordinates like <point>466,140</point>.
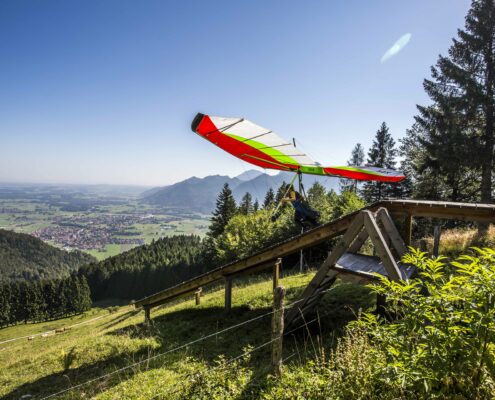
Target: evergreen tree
<point>246,206</point>
<point>256,205</point>
<point>5,305</point>
<point>319,200</point>
<point>281,192</point>
<point>381,154</point>
<point>34,302</point>
<point>357,159</point>
<point>269,199</point>
<point>224,211</point>
<point>461,121</point>
<point>84,292</point>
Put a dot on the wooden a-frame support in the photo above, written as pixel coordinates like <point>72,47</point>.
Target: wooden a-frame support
<point>343,262</point>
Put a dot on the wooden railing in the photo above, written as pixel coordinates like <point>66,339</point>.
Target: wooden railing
<point>266,257</point>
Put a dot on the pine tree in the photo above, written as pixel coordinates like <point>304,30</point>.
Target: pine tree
<point>5,305</point>
<point>84,302</point>
<point>256,205</point>
<point>357,159</point>
<point>224,211</point>
<point>246,206</point>
<point>381,154</point>
<point>456,133</point>
<point>281,192</point>
<point>269,199</point>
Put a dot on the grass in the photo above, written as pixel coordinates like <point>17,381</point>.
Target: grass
<point>454,242</point>
<point>46,365</point>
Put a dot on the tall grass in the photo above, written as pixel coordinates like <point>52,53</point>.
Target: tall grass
<point>454,242</point>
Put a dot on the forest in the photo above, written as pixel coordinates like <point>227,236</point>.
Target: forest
<point>42,300</point>
<point>23,257</point>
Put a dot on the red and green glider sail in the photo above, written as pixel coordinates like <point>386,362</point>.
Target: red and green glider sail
<point>259,146</point>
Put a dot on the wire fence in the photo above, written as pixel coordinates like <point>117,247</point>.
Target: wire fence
<point>64,327</point>
<point>156,356</point>
<point>196,375</point>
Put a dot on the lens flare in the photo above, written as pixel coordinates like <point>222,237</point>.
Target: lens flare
<point>398,46</point>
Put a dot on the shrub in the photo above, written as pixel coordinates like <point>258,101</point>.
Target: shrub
<point>442,342</point>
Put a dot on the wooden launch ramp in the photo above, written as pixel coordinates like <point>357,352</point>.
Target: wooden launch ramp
<point>345,264</point>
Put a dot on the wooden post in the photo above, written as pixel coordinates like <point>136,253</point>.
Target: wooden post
<point>147,316</point>
<point>228,294</point>
<point>277,330</point>
<point>437,231</point>
<point>408,230</point>
<point>276,272</point>
<point>197,294</point>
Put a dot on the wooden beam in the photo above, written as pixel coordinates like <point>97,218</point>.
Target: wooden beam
<point>408,230</point>
<point>228,294</point>
<point>197,296</point>
<point>441,209</point>
<point>389,226</point>
<point>381,247</point>
<point>437,231</point>
<point>358,242</point>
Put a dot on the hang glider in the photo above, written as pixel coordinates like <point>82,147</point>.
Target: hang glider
<point>262,147</point>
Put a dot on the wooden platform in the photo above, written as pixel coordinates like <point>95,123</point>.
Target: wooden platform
<point>345,263</point>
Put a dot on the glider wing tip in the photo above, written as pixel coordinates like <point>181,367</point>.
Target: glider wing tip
<point>196,121</point>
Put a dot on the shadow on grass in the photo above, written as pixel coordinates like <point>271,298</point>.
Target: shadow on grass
<point>180,327</point>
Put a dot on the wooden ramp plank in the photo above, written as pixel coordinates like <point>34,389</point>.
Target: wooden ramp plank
<point>369,264</point>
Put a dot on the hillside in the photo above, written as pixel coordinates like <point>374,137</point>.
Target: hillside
<point>438,348</point>
<point>200,194</point>
<point>145,269</point>
<point>25,257</point>
<point>46,365</point>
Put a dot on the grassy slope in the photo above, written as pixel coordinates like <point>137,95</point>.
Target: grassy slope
<point>37,367</point>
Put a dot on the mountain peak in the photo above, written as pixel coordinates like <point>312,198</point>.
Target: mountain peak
<point>248,175</point>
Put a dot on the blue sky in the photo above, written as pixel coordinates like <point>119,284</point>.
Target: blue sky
<point>104,91</point>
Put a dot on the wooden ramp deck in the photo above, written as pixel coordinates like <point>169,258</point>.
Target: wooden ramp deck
<point>267,257</point>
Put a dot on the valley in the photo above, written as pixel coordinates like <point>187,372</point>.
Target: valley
<point>100,222</point>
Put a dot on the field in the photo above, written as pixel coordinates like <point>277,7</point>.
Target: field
<point>119,340</point>
<point>100,224</point>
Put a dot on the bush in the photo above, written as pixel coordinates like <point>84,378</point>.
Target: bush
<point>442,342</point>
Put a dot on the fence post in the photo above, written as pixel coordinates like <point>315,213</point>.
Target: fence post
<point>147,315</point>
<point>228,294</point>
<point>276,272</point>
<point>437,231</point>
<point>277,329</point>
<point>408,230</point>
<point>197,294</point>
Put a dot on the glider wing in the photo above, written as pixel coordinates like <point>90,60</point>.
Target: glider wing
<point>264,148</point>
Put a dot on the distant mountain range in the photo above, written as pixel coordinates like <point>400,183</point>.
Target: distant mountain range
<point>199,194</point>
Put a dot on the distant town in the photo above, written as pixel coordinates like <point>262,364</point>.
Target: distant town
<point>100,226</point>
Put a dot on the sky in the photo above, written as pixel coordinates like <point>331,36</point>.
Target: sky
<point>105,91</point>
